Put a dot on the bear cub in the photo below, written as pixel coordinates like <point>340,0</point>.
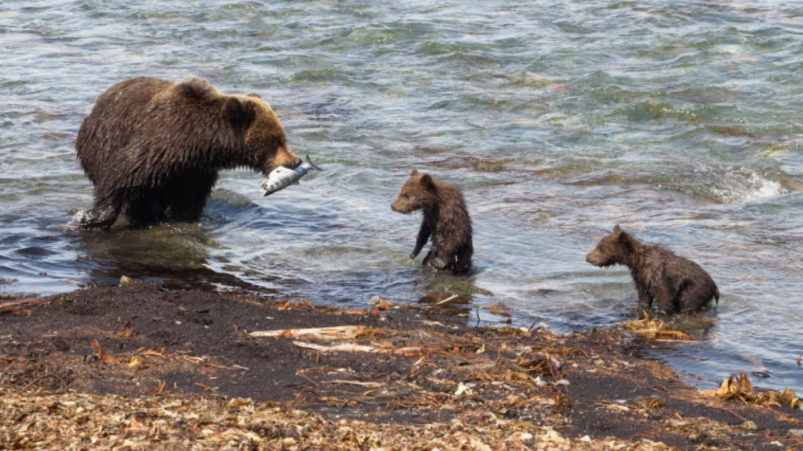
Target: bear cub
<point>446,220</point>
<point>675,283</point>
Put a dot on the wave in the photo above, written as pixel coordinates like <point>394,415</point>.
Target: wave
<point>736,188</point>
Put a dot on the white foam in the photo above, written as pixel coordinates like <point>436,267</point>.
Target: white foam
<point>737,189</point>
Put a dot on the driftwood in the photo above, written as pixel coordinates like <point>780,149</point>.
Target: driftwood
<point>324,333</point>
<point>358,348</point>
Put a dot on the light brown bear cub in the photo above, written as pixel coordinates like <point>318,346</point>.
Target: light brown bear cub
<point>446,220</point>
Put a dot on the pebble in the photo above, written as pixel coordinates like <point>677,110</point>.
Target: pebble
<point>796,433</point>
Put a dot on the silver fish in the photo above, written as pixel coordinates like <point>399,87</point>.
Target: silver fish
<point>281,177</point>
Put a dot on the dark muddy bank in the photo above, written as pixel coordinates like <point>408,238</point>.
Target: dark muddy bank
<point>154,341</point>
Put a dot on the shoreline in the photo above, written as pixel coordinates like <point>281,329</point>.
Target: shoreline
<point>406,371</point>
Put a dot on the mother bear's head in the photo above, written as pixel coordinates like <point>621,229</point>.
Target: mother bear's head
<point>255,138</point>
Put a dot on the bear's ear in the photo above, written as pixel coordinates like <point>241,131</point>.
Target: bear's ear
<point>428,183</point>
<point>414,173</point>
<point>195,88</point>
<point>624,238</point>
<point>617,229</point>
<point>255,95</point>
<point>238,113</point>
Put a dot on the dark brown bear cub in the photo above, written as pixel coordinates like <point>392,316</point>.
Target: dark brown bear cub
<point>445,219</point>
<point>675,283</point>
<point>153,148</point>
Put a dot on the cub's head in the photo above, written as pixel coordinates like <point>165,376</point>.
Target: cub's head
<point>615,248</point>
<point>255,136</point>
<point>420,191</point>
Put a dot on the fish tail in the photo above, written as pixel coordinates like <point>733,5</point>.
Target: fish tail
<point>313,164</point>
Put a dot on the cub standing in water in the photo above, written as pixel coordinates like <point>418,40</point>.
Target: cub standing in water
<point>676,284</point>
<point>445,219</point>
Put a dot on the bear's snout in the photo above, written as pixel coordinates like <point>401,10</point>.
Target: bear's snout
<point>296,162</point>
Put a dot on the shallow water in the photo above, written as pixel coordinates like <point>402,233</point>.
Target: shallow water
<point>677,120</point>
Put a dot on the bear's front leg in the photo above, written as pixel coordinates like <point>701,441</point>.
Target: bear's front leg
<point>99,217</point>
<point>423,237</point>
<point>644,300</point>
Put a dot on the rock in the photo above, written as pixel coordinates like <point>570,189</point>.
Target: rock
<point>126,281</point>
<point>796,433</point>
<point>7,296</point>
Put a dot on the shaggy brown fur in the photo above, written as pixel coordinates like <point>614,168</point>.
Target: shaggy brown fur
<point>153,148</point>
<point>445,219</point>
<point>676,284</point>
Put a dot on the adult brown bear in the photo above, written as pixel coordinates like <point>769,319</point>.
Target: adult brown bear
<point>153,148</point>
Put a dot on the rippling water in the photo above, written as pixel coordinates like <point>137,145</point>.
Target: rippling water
<point>678,120</point>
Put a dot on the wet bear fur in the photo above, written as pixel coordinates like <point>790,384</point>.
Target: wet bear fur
<point>446,221</point>
<point>153,148</point>
<point>675,283</point>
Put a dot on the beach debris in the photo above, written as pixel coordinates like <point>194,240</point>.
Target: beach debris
<point>379,303</point>
<point>101,353</point>
<point>520,437</point>
<point>128,331</point>
<point>655,329</point>
<point>282,177</point>
<point>497,309</point>
<point>463,388</point>
<point>451,299</point>
<point>358,383</point>
<point>84,421</point>
<point>323,333</point>
<point>749,425</point>
<point>74,282</point>
<point>740,388</point>
<point>618,408</point>
<point>799,359</point>
<point>126,281</point>
<point>440,301</point>
<point>348,347</point>
<point>7,296</point>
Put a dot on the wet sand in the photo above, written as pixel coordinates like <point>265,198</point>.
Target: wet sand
<point>407,371</point>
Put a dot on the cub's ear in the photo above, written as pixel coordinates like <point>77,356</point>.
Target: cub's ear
<point>617,229</point>
<point>414,173</point>
<point>195,88</point>
<point>428,183</point>
<point>624,238</point>
<point>255,95</point>
<point>238,112</point>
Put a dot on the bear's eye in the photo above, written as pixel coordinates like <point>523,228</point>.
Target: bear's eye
<point>602,248</point>
<point>406,196</point>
